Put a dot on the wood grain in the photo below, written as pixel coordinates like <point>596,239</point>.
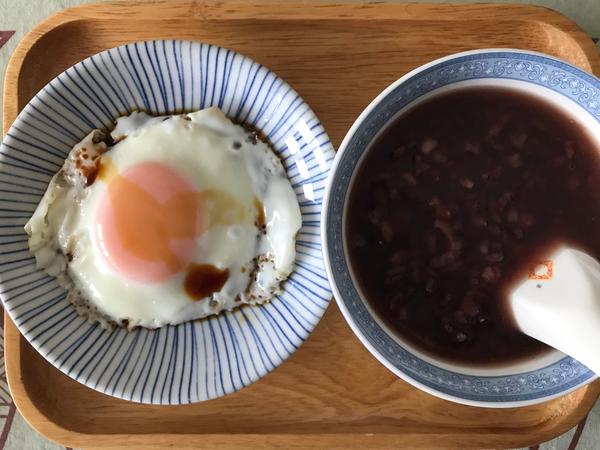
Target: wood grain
<point>331,393</point>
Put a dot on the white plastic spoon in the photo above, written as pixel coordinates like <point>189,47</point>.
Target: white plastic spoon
<point>559,304</point>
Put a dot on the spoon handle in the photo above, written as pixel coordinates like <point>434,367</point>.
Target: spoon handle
<point>559,304</point>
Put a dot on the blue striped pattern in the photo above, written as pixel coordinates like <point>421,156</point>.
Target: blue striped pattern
<point>193,361</point>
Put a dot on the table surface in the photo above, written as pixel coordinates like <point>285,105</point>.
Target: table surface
<point>18,17</point>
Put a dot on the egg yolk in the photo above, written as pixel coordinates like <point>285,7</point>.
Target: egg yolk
<point>148,220</point>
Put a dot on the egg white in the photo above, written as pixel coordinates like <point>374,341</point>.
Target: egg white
<point>213,154</point>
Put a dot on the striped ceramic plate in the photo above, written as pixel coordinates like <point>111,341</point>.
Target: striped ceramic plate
<point>197,360</point>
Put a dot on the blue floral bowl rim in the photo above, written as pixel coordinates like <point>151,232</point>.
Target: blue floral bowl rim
<point>325,225</point>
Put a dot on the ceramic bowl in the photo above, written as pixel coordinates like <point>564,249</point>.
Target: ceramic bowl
<point>532,381</point>
<point>196,360</point>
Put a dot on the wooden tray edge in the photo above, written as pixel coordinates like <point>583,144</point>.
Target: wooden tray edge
<point>294,10</point>
<point>290,11</point>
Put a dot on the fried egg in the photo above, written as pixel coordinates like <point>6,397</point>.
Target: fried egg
<point>183,217</point>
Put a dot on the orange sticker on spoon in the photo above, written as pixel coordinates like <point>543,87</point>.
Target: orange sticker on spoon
<point>542,270</point>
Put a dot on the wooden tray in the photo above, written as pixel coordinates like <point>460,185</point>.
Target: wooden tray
<point>331,392</point>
